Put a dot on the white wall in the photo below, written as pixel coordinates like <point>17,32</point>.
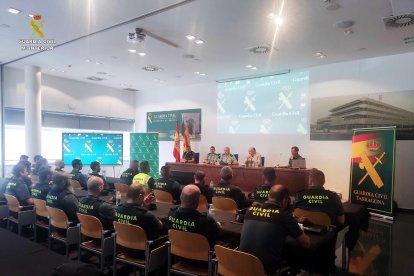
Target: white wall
<point>385,74</point>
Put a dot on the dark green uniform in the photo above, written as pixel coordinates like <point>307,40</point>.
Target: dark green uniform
<point>17,187</point>
<point>93,206</point>
<point>127,176</point>
<point>64,200</point>
<point>77,175</point>
<point>40,190</point>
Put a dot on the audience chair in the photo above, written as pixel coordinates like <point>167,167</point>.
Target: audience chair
<point>340,241</point>
<point>75,184</point>
<point>4,211</point>
<point>190,246</point>
<point>163,196</point>
<point>196,157</point>
<point>122,188</point>
<point>42,216</point>
<point>236,155</point>
<point>224,204</point>
<point>236,263</point>
<point>315,217</point>
<point>58,224</point>
<point>263,161</point>
<point>202,204</point>
<point>100,243</point>
<point>133,237</point>
<point>18,215</point>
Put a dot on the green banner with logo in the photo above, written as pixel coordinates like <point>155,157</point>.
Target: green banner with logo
<point>144,147</point>
<point>163,122</point>
<point>372,169</point>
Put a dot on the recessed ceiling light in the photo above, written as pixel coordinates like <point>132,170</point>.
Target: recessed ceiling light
<point>101,73</point>
<point>63,71</point>
<point>13,11</point>
<point>202,74</point>
<point>278,21</point>
<point>190,37</point>
<point>318,54</point>
<point>88,60</point>
<point>322,56</point>
<point>254,68</point>
<point>30,15</point>
<point>142,54</point>
<point>98,63</point>
<point>249,66</point>
<point>199,41</point>
<point>197,73</point>
<point>52,69</point>
<point>132,50</point>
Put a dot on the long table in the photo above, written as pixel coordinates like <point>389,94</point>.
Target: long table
<point>248,178</point>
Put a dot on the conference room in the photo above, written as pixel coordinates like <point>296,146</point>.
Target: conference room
<point>116,81</point>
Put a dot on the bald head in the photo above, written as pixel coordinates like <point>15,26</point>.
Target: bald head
<point>136,193</point>
<point>252,151</point>
<point>95,185</point>
<point>278,193</point>
<point>190,196</point>
<point>59,164</point>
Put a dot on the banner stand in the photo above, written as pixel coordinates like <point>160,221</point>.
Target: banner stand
<point>379,217</point>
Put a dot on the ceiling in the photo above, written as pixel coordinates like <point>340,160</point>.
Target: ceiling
<point>227,27</point>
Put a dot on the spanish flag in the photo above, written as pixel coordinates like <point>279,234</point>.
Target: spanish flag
<point>176,150</point>
<point>186,137</point>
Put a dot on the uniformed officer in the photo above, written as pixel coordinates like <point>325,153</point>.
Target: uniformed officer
<point>143,178</point>
<point>227,158</point>
<point>265,229</point>
<point>41,189</point>
<point>76,173</point>
<point>187,218</point>
<point>59,165</point>
<point>294,155</point>
<point>61,197</point>
<point>212,157</point>
<point>225,189</point>
<point>128,175</point>
<point>132,212</point>
<point>269,178</point>
<point>92,205</point>
<point>201,184</point>
<point>188,155</point>
<point>167,184</point>
<point>253,159</point>
<point>17,185</point>
<point>96,169</point>
<point>316,198</point>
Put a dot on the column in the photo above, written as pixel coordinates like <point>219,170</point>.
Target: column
<point>33,110</point>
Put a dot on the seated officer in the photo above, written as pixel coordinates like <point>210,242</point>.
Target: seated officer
<point>269,178</point>
<point>187,218</point>
<point>41,189</point>
<point>61,197</point>
<point>128,175</point>
<point>225,189</point>
<point>96,169</point>
<point>212,157</point>
<point>93,206</point>
<point>188,155</point>
<point>295,155</point>
<point>143,178</point>
<point>265,229</point>
<point>167,184</point>
<point>316,198</point>
<point>132,212</point>
<point>59,165</point>
<point>227,158</point>
<point>76,173</point>
<point>17,186</point>
<point>201,184</point>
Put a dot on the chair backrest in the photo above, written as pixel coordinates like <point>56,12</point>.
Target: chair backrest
<point>75,184</point>
<point>202,204</point>
<point>236,155</point>
<point>224,204</point>
<point>130,236</point>
<point>58,218</point>
<point>90,226</point>
<point>13,203</point>
<point>315,217</point>
<point>236,263</point>
<point>189,245</point>
<point>122,188</point>
<point>340,236</point>
<point>163,196</point>
<point>41,210</point>
<point>263,160</point>
<point>197,157</point>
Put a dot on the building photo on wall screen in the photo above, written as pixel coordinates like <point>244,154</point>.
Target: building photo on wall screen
<point>107,148</point>
<point>276,104</point>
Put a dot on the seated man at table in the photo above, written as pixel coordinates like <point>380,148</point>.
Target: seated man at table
<point>188,155</point>
<point>316,198</point>
<point>42,188</point>
<point>167,184</point>
<point>265,229</point>
<point>227,158</point>
<point>92,205</point>
<point>225,189</point>
<point>201,184</point>
<point>187,218</point>
<point>17,185</point>
<point>96,169</point>
<point>128,175</point>
<point>59,165</point>
<point>261,193</point>
<point>295,155</point>
<point>60,196</point>
<point>143,178</point>
<point>212,157</point>
<point>253,159</point>
<point>133,212</point>
<point>76,173</point>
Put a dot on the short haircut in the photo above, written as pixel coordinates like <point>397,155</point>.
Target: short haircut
<point>143,166</point>
<point>269,174</point>
<point>199,175</point>
<point>95,165</point>
<point>37,157</point>
<point>226,173</point>
<point>165,171</point>
<point>60,180</point>
<point>279,193</point>
<point>190,196</point>
<point>317,177</point>
<point>21,166</point>
<point>135,190</point>
<point>94,183</point>
<point>212,147</point>
<point>295,148</point>
<point>76,162</point>
<point>44,173</point>
<point>24,157</point>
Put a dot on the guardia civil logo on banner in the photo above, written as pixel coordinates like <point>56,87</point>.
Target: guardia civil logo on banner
<point>144,147</point>
<point>372,169</point>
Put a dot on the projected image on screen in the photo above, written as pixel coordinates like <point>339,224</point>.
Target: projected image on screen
<point>273,104</point>
<point>103,147</point>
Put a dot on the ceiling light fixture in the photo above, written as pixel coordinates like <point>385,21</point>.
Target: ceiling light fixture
<point>190,37</point>
<point>322,56</point>
<point>63,71</point>
<point>271,15</point>
<point>278,21</point>
<point>14,11</point>
<point>199,41</point>
<point>30,15</point>
<point>132,50</point>
<point>249,66</point>
<point>142,54</point>
<point>197,73</point>
<point>98,63</point>
<point>202,74</point>
<point>88,60</point>
<point>254,68</point>
<point>318,54</point>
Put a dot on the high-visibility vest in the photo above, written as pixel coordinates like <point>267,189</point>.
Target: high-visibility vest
<point>142,178</point>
